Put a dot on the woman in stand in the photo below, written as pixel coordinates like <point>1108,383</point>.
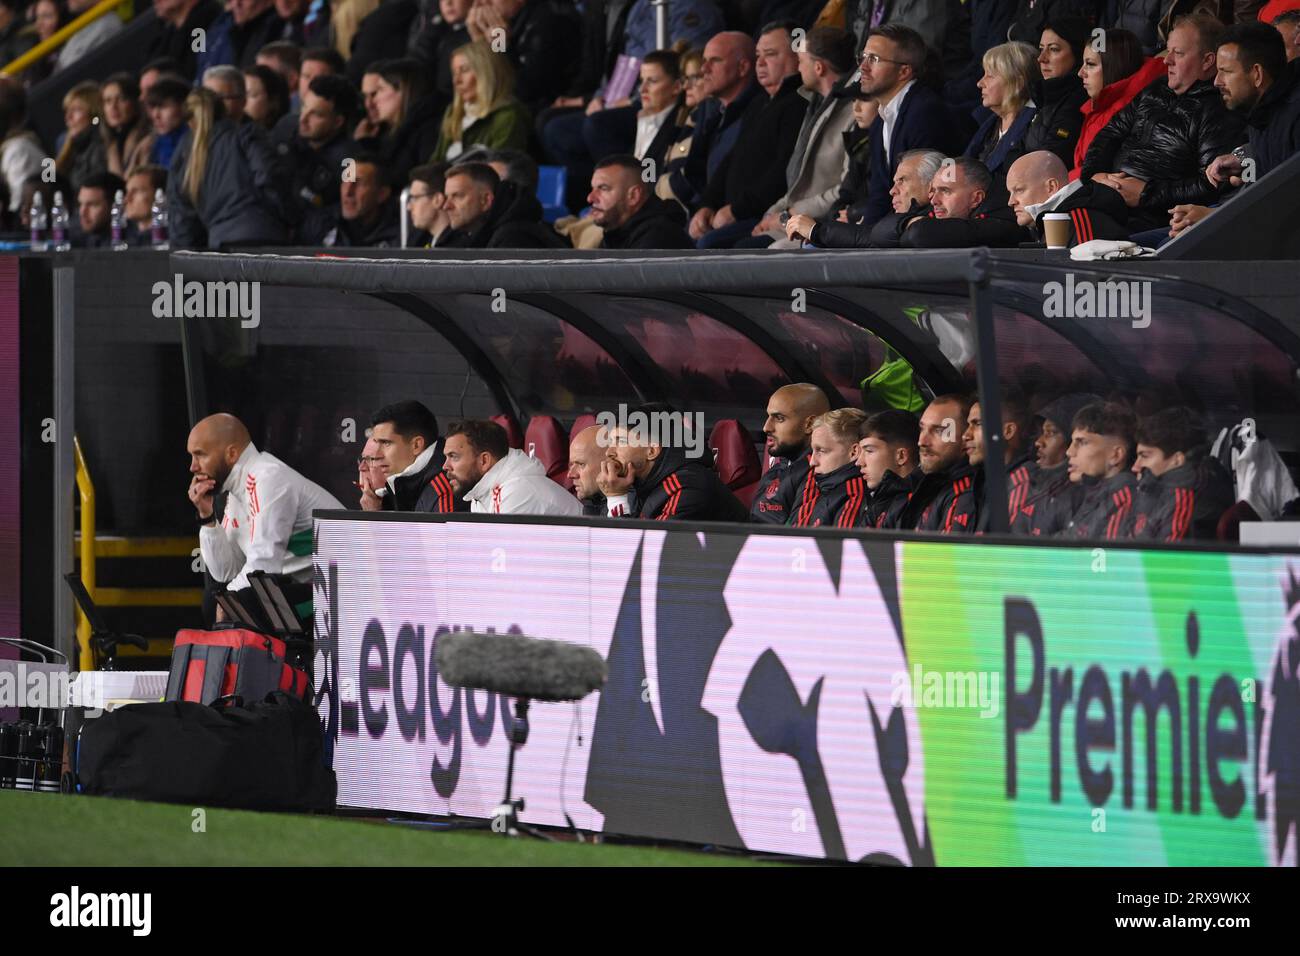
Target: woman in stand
<point>1010,75</point>
<point>483,111</point>
<point>1111,78</point>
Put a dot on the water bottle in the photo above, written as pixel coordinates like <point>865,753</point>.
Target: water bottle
<point>158,221</point>
<point>39,223</point>
<point>59,225</point>
<point>118,222</point>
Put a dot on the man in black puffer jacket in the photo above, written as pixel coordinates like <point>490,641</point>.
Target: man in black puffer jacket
<point>1154,151</point>
<point>649,477</point>
<point>629,212</point>
<point>486,213</point>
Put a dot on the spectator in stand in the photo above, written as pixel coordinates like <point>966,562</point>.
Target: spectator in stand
<point>484,111</point>
<point>585,124</point>
<point>542,39</point>
<point>1288,24</point>
<point>227,83</point>
<point>692,67</point>
<point>728,87</point>
<point>368,208</point>
<point>94,206</point>
<point>586,451</point>
<point>125,125</point>
<point>887,460</point>
<point>316,62</point>
<point>942,498</point>
<point>791,412</point>
<point>83,152</point>
<point>16,35</point>
<point>384,34</point>
<point>49,17</point>
<point>21,154</point>
<point>427,203</point>
<point>1017,455</point>
<point>1100,459</point>
<point>1255,81</point>
<point>852,196</point>
<point>440,28</point>
<point>820,160</point>
<point>912,116</point>
<point>1112,74</point>
<point>224,188</point>
<point>1060,95</point>
<point>406,440</point>
<point>293,14</point>
<point>1155,150</point>
<point>316,154</point>
<point>174,37</point>
<point>155,70</point>
<point>511,165</point>
<point>165,104</point>
<point>625,207</point>
<point>234,38</point>
<point>498,479</point>
<point>964,212</point>
<point>1037,184</point>
<point>286,59</point>
<point>646,478</point>
<point>909,196</point>
<point>1010,77</point>
<point>406,110</point>
<point>834,493</point>
<point>1052,497</point>
<point>663,109</point>
<point>266,99</point>
<point>752,176</point>
<point>92,35</point>
<point>142,184</point>
<point>1181,491</point>
<point>486,213</point>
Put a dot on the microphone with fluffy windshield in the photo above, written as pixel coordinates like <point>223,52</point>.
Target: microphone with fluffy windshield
<point>525,668</point>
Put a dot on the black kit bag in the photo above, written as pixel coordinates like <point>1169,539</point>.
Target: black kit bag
<point>264,756</point>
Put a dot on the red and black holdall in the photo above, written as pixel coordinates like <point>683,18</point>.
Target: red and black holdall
<point>207,665</point>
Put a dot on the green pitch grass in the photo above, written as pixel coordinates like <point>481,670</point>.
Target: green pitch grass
<point>46,829</point>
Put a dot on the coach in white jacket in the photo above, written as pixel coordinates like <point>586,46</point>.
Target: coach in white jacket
<point>497,479</point>
<point>266,524</point>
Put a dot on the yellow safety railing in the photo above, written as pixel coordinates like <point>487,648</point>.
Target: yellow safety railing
<point>91,547</point>
<point>86,491</point>
<point>45,47</point>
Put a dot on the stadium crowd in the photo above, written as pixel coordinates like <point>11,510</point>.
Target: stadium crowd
<point>778,124</point>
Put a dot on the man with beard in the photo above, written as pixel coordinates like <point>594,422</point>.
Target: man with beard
<point>406,439</point>
<point>629,212</point>
<point>791,411</point>
<point>887,457</point>
<point>254,512</point>
<point>1052,497</point>
<point>1016,454</point>
<point>667,484</point>
<point>943,499</point>
<point>498,479</point>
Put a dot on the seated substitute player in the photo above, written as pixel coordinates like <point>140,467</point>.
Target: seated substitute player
<point>1181,492</point>
<point>835,492</point>
<point>405,435</point>
<point>791,411</point>
<point>887,460</point>
<point>1016,455</point>
<point>1100,456</point>
<point>1052,497</point>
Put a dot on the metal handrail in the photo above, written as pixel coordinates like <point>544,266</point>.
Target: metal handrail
<point>86,492</point>
<point>45,47</point>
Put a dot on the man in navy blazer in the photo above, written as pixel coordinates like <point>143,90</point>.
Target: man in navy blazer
<point>912,115</point>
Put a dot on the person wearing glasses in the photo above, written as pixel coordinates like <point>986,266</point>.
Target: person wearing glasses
<point>912,115</point>
<point>228,83</point>
<point>427,202</point>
